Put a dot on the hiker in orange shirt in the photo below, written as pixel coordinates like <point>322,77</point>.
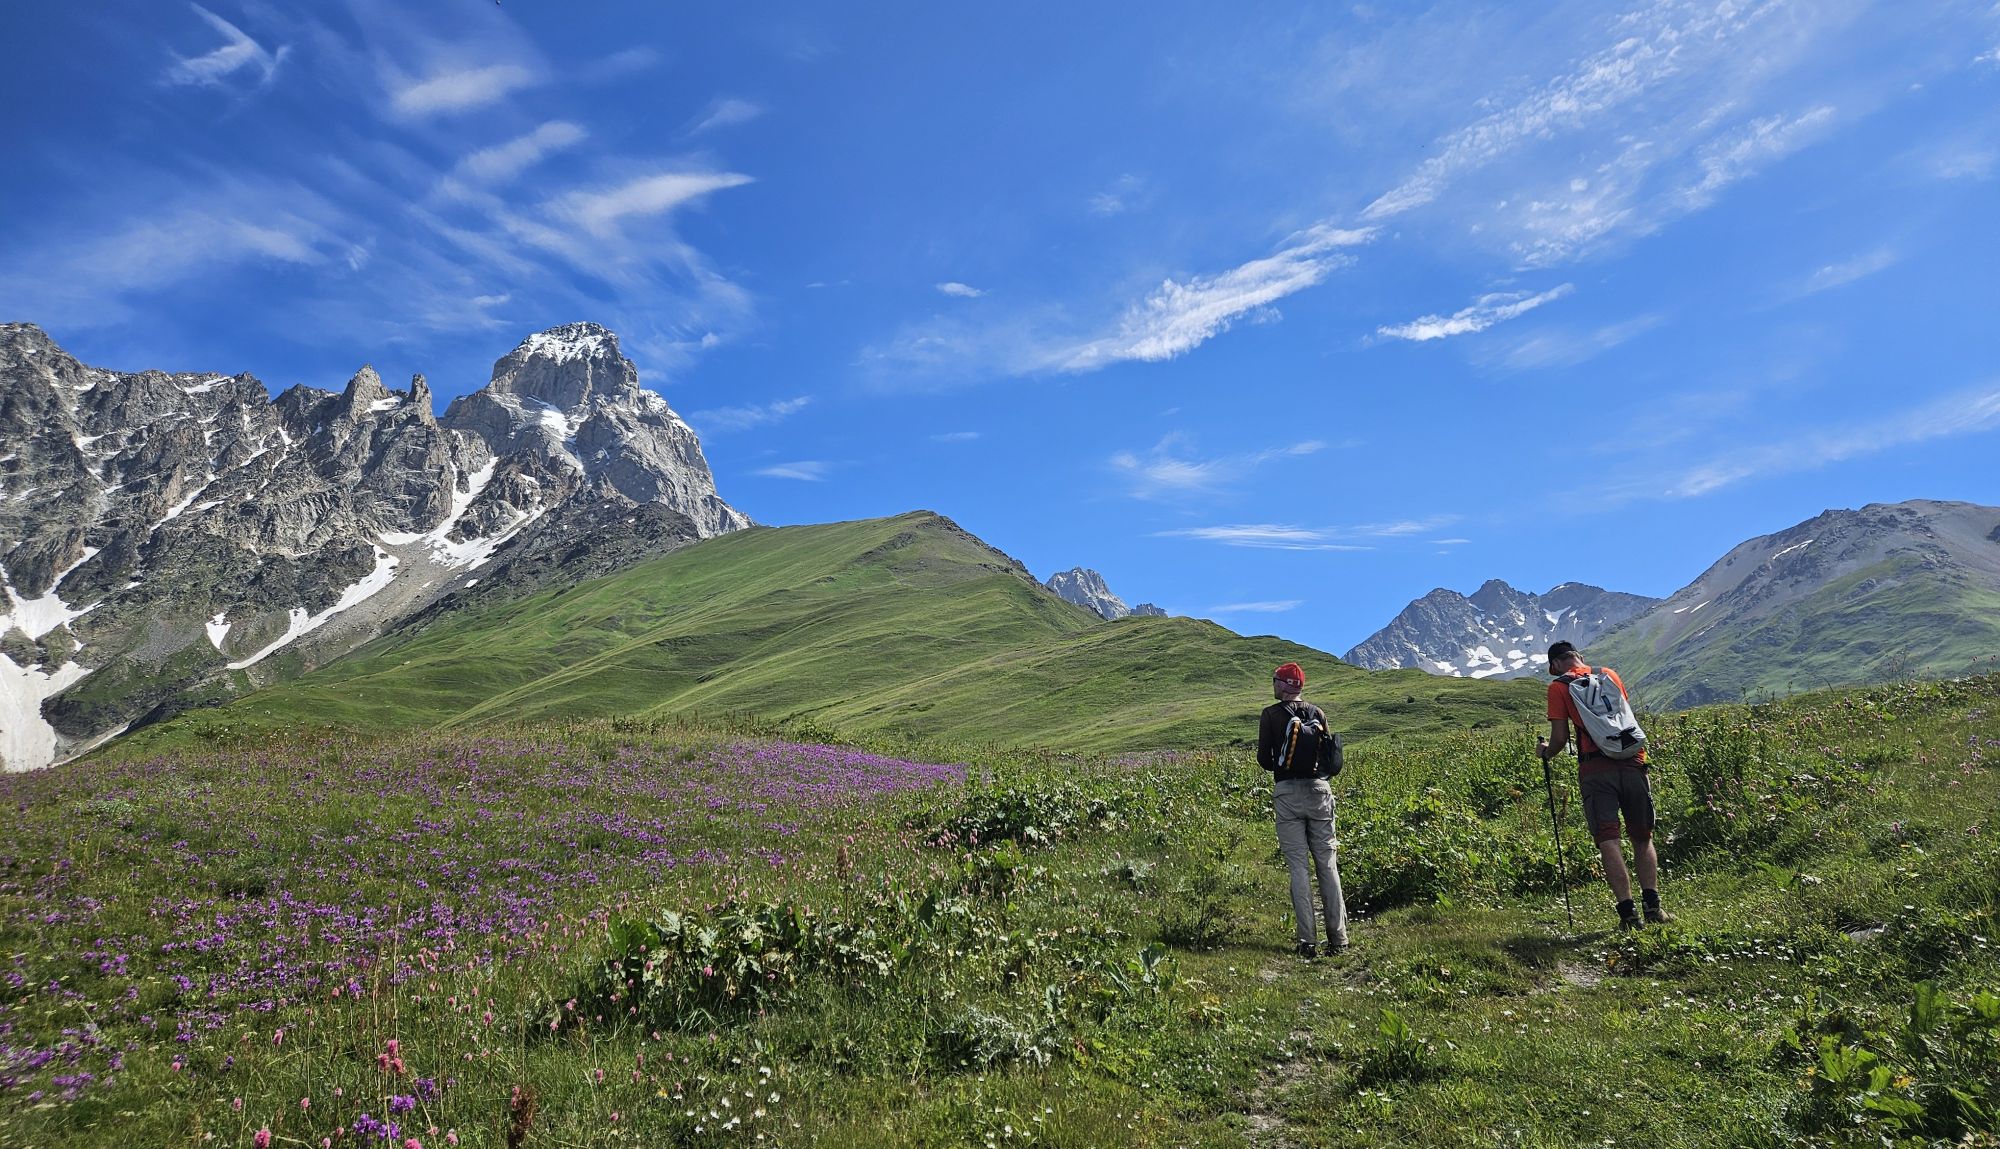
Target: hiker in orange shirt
<point>1611,784</point>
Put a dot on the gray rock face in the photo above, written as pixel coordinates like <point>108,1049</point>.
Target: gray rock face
<point>1148,610</point>
<point>1085,588</point>
<point>169,538</point>
<point>1496,632</point>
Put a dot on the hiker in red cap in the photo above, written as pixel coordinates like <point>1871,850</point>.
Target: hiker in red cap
<point>1296,746</point>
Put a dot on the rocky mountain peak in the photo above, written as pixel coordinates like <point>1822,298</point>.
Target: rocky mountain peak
<point>1497,631</point>
<point>364,393</point>
<point>565,367</point>
<point>134,505</point>
<point>1086,588</point>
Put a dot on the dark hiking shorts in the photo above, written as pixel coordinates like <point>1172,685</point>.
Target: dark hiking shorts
<point>1615,790</point>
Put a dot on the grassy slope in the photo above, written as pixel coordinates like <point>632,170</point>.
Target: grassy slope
<point>904,626</point>
<point>1826,856</point>
<point>1912,622</point>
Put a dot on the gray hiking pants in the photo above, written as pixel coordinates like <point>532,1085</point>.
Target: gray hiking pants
<point>1304,809</point>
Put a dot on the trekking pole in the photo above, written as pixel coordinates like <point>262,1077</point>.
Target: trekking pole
<point>1555,827</point>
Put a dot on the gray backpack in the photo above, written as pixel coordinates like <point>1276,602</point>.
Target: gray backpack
<point>1606,714</point>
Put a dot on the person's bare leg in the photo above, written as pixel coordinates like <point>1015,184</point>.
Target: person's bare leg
<point>1614,869</point>
<point>1646,860</point>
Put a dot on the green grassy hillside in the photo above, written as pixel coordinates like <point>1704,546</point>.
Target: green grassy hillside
<point>1892,620</point>
<point>906,627</point>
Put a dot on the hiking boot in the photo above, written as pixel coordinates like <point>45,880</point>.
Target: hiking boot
<point>1335,945</point>
<point>1308,951</point>
<point>1658,916</point>
<point>1628,920</point>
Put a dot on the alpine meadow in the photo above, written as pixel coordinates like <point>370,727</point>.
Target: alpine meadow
<point>631,575</point>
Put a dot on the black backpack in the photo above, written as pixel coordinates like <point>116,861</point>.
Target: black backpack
<point>1309,748</point>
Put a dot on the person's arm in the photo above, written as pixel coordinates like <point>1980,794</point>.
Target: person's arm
<point>1557,739</point>
<point>1267,742</point>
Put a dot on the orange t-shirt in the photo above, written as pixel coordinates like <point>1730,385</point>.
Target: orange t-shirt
<point>1562,706</point>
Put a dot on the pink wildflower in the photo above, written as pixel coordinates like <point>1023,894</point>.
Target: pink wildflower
<point>394,1047</point>
<point>261,1139</point>
<point>237,1105</point>
<point>278,1038</point>
<point>305,1103</point>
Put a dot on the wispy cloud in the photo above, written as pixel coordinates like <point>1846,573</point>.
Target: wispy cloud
<point>1265,536</point>
<point>1969,412</point>
<point>1268,606</point>
<point>1488,310</point>
<point>806,471</point>
<point>955,437</point>
<point>223,224</point>
<point>1290,537</point>
<point>1182,315</point>
<point>1733,157</point>
<point>1167,469</point>
<point>503,162</point>
<point>1557,347</point>
<point>960,290</point>
<point>1652,46</point>
<point>460,91</point>
<point>725,113</point>
<point>1124,193</point>
<point>599,212</point>
<point>237,52</point>
<point>1861,267</point>
<point>1449,542</point>
<point>744,418</point>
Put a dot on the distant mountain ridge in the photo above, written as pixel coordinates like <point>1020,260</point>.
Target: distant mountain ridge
<point>1496,632</point>
<point>168,539</point>
<point>1891,590</point>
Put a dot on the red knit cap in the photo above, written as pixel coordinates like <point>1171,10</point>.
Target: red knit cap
<point>1291,672</point>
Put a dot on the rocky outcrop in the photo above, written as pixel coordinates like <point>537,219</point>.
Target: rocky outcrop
<point>1085,588</point>
<point>167,538</point>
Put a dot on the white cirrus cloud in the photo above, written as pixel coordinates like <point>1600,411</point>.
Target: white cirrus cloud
<point>1182,315</point>
<point>1742,153</point>
<point>959,290</point>
<point>955,437</point>
<point>1966,413</point>
<point>1167,468</point>
<point>1662,42</point>
<point>461,91</point>
<point>1497,307</point>
<point>1264,536</point>
<point>503,162</point>
<point>1860,267</point>
<point>1266,606</point>
<point>725,113</point>
<point>745,417</point>
<point>805,471</point>
<point>1556,347</point>
<point>237,52</point>
<point>600,212</point>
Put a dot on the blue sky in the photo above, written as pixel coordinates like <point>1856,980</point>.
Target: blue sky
<point>1277,314</point>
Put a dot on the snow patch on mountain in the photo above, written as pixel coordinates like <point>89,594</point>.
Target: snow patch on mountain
<point>301,623</point>
<point>27,741</point>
